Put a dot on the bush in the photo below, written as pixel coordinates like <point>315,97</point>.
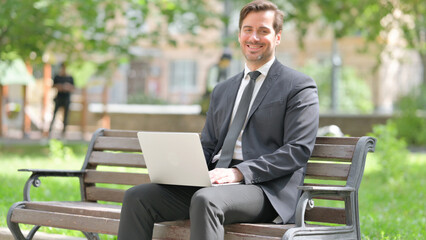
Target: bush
<point>390,150</point>
<point>145,99</point>
<point>58,151</point>
<point>411,125</point>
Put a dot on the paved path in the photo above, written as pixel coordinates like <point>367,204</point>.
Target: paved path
<point>6,235</point>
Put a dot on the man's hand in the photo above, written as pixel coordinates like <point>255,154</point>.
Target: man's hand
<point>225,175</point>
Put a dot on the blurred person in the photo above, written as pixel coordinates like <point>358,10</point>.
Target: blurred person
<point>64,85</point>
<point>260,131</point>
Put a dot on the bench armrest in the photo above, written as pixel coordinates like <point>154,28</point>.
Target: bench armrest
<point>34,180</point>
<point>325,189</point>
<point>306,202</point>
<point>54,173</point>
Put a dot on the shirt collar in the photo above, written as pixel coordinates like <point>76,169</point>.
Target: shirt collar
<point>263,69</point>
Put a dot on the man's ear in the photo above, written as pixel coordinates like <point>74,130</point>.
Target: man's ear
<point>278,38</point>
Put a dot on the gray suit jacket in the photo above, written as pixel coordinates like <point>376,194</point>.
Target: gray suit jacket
<point>279,135</point>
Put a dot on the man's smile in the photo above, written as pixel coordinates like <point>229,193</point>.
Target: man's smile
<point>254,46</point>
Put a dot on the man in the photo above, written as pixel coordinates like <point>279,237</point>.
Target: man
<point>271,149</point>
<point>64,84</point>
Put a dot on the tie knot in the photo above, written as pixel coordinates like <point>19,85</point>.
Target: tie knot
<point>253,75</point>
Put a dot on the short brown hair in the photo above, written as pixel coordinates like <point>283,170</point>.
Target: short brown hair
<point>263,5</point>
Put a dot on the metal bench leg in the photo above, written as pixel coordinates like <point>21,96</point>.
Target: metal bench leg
<point>14,227</point>
<point>16,231</point>
<point>91,236</point>
<point>32,232</point>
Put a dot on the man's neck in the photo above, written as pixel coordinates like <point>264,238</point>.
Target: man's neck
<point>269,63</point>
<point>254,66</point>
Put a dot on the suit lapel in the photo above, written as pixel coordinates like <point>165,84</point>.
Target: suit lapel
<point>269,80</point>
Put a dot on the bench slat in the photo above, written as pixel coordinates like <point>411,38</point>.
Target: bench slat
<point>327,171</point>
<point>94,176</point>
<point>117,159</point>
<point>120,133</point>
<point>171,231</point>
<point>79,208</point>
<point>180,230</point>
<point>326,214</point>
<point>117,144</point>
<point>337,140</point>
<point>244,236</point>
<point>344,152</point>
<point>67,221</point>
<point>104,194</point>
<point>272,230</point>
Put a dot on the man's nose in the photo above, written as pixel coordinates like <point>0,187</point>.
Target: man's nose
<point>254,36</point>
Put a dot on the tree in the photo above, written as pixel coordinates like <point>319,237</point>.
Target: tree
<point>34,29</point>
<point>373,19</point>
<point>101,31</point>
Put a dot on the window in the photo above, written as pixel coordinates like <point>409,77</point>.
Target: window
<point>183,75</point>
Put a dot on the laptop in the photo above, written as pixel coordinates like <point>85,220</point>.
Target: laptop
<point>175,158</point>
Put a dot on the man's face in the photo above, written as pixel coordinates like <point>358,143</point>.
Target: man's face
<point>258,39</point>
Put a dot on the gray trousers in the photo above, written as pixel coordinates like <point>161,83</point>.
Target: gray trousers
<point>207,208</point>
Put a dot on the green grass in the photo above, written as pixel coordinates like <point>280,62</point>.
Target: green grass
<point>390,208</point>
<point>394,208</point>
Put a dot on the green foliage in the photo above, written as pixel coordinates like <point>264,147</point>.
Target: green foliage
<point>58,151</point>
<point>364,17</point>
<point>33,29</point>
<point>144,99</point>
<point>373,20</point>
<point>390,150</point>
<point>82,71</point>
<point>354,94</point>
<point>410,123</point>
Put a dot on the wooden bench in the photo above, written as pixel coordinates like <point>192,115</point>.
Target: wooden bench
<point>114,162</point>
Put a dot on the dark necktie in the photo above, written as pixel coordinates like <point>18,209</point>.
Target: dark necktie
<point>237,124</point>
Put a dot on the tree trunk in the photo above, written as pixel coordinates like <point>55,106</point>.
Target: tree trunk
<point>1,110</point>
<point>4,93</point>
<point>423,59</point>
<point>106,120</point>
<point>26,125</point>
<point>47,78</point>
<point>84,112</point>
<point>26,122</point>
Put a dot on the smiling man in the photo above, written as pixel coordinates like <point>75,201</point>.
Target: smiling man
<point>260,131</point>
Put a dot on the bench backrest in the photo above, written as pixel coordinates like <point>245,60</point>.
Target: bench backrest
<point>336,161</point>
<point>114,163</point>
